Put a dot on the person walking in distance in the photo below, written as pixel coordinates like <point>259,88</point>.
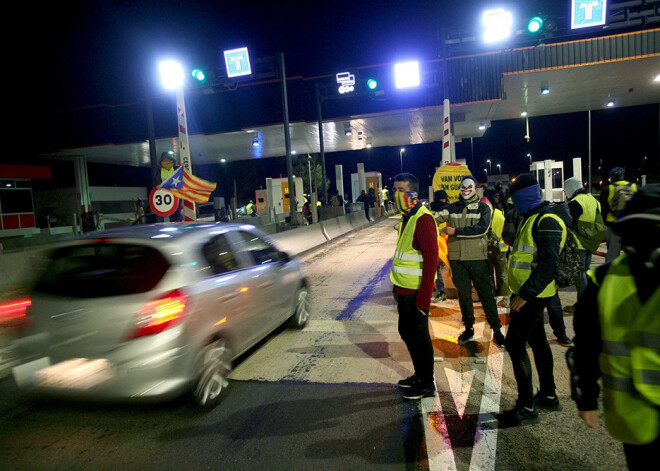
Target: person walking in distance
<point>413,275</point>
<point>468,222</point>
<point>532,269</point>
<point>617,335</point>
<point>613,199</point>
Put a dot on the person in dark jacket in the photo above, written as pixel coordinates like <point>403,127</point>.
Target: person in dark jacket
<point>617,327</point>
<point>440,202</point>
<point>612,197</point>
<point>364,199</point>
<point>468,222</point>
<point>533,266</point>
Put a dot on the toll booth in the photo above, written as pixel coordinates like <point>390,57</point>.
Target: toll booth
<point>277,194</point>
<point>261,199</point>
<point>373,180</point>
<point>550,175</point>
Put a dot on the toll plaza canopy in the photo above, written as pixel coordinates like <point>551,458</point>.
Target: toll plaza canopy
<point>242,119</point>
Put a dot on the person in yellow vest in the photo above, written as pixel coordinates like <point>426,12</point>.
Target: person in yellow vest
<point>250,209</point>
<point>617,336</point>
<point>497,248</point>
<point>613,199</point>
<point>413,275</point>
<point>587,226</point>
<point>532,269</point>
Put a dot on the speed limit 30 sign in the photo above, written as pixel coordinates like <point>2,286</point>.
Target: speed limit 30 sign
<point>163,202</point>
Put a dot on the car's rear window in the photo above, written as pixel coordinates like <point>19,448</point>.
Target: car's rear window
<point>97,270</point>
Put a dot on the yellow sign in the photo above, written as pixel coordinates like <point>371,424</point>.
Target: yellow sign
<point>448,178</point>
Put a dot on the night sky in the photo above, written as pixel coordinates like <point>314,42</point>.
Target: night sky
<point>82,54</point>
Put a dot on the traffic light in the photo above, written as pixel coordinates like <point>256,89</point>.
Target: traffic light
<point>199,74</point>
<point>535,24</point>
<point>372,84</point>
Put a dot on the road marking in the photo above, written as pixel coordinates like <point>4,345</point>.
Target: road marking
<point>460,383</point>
<point>438,445</point>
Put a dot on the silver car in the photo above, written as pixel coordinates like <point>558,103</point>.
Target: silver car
<point>151,312</point>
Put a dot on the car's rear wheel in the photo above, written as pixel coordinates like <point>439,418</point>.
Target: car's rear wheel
<point>300,315</point>
<point>214,367</point>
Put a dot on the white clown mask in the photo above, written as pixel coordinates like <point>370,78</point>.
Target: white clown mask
<point>468,188</point>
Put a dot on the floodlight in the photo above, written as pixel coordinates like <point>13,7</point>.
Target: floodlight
<point>171,73</point>
<point>545,91</point>
<point>498,24</point>
<point>406,74</point>
<point>610,103</point>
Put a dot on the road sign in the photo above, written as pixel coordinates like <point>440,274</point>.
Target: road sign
<point>585,13</point>
<point>237,62</point>
<point>163,202</point>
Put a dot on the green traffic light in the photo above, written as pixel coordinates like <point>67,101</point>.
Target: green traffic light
<point>535,24</point>
<point>199,74</point>
<point>372,84</point>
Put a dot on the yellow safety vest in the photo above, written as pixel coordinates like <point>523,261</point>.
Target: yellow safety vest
<point>165,173</point>
<point>630,358</point>
<point>523,257</point>
<point>611,217</point>
<point>589,206</point>
<point>497,225</point>
<point>408,262</point>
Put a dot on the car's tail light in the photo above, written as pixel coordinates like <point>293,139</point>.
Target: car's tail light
<point>15,311</point>
<point>160,314</point>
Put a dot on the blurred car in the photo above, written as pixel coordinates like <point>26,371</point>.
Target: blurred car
<point>242,211</point>
<point>151,312</point>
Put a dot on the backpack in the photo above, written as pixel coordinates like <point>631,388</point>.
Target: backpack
<point>570,268</point>
<point>591,235</point>
<point>622,193</point>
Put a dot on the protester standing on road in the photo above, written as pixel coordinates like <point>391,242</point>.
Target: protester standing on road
<point>413,274</point>
<point>364,199</point>
<point>440,202</point>
<point>587,226</point>
<point>617,335</point>
<point>468,222</point>
<point>613,199</point>
<point>533,265</point>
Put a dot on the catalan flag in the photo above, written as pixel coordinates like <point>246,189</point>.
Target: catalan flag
<point>188,187</point>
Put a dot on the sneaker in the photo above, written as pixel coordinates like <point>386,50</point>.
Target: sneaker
<point>570,308</point>
<point>522,416</point>
<point>498,338</point>
<point>564,340</point>
<point>547,402</point>
<point>419,390</point>
<point>439,297</point>
<point>466,336</point>
<point>407,382</point>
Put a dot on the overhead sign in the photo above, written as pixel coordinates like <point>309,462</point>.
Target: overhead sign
<point>585,13</point>
<point>163,202</point>
<point>346,81</point>
<point>237,62</point>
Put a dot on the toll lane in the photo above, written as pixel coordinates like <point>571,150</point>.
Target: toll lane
<point>325,397</point>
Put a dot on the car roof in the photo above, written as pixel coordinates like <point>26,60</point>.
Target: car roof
<point>167,232</point>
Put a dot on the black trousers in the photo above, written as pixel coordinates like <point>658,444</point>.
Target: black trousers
<point>526,326</point>
<point>466,273</point>
<point>641,457</point>
<point>414,331</point>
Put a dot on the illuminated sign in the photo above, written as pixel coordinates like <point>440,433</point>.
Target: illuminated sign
<point>346,82</point>
<point>585,13</point>
<point>237,62</point>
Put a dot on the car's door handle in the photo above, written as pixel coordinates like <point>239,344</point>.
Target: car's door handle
<point>266,284</point>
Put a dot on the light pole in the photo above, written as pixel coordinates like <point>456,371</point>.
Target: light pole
<point>490,166</point>
<point>499,169</point>
<point>530,158</point>
<point>401,157</point>
<point>486,170</point>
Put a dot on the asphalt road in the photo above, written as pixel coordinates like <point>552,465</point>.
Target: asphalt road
<point>325,398</point>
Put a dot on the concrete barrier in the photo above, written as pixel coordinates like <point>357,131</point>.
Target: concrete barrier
<point>301,240</point>
<point>337,227</point>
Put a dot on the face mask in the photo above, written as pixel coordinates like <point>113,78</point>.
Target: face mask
<point>405,201</point>
<point>468,189</point>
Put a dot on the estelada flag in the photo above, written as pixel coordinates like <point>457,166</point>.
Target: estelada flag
<point>188,187</point>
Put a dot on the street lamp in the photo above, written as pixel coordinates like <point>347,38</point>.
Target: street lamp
<point>530,158</point>
<point>499,169</point>
<point>401,157</point>
<point>486,170</point>
<point>490,166</point>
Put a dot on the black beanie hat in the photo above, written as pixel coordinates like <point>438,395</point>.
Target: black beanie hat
<point>616,174</point>
<point>522,181</point>
<point>440,195</point>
